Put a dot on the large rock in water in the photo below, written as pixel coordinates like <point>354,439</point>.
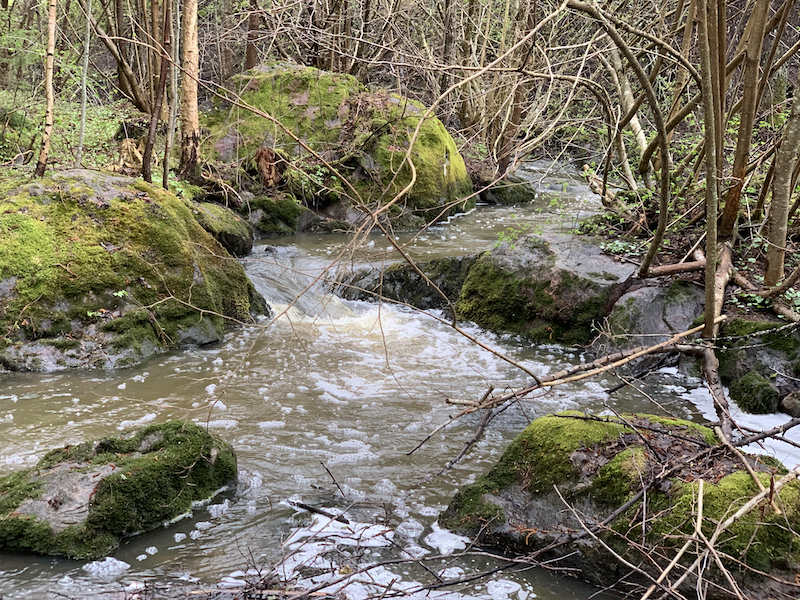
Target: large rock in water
<point>363,134</point>
<point>80,501</point>
<point>98,270</point>
<point>567,471</point>
<point>545,287</point>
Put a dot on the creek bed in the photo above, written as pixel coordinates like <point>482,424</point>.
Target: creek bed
<point>322,407</point>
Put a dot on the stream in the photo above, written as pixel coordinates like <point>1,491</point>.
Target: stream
<point>322,407</point>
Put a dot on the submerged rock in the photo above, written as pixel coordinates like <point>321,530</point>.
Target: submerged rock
<point>569,470</point>
<point>80,501</point>
<point>98,270</point>
<point>361,133</point>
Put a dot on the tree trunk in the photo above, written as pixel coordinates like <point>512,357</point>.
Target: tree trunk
<point>253,21</point>
<point>190,118</point>
<point>147,157</point>
<point>87,7</point>
<point>48,86</point>
<point>756,27</point>
<point>781,195</point>
<point>708,65</point>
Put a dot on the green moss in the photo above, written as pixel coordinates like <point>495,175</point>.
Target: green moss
<point>602,464</point>
<point>363,134</point>
<point>761,539</point>
<point>688,427</point>
<point>229,229</point>
<point>754,394</point>
<point>280,215</point>
<point>616,481</point>
<point>498,299</point>
<point>159,472</point>
<point>538,458</point>
<point>79,260</point>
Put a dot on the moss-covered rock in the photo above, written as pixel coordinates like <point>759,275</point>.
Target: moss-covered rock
<point>754,394</point>
<point>766,348</point>
<point>80,501</point>
<point>594,466</point>
<point>548,288</point>
<point>544,287</point>
<point>363,134</point>
<point>228,228</point>
<point>281,216</point>
<point>98,270</point>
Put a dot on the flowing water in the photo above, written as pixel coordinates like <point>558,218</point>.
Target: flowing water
<point>322,407</point>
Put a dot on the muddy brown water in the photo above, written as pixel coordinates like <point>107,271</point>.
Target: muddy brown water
<point>332,390</point>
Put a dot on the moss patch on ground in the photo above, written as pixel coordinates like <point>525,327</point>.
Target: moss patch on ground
<point>363,135</point>
<point>116,264</point>
<point>120,486</point>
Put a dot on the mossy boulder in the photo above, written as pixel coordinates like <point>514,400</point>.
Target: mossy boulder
<point>548,288</point>
<point>568,470</point>
<point>99,270</point>
<point>754,394</point>
<point>281,215</point>
<point>768,349</point>
<point>229,229</point>
<point>80,501</point>
<point>545,287</point>
<point>363,134</point>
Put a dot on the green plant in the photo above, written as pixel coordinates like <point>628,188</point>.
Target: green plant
<point>512,234</point>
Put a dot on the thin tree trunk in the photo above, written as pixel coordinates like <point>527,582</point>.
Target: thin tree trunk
<point>758,22</point>
<point>147,157</point>
<point>173,106</point>
<point>707,67</point>
<point>87,7</point>
<point>48,86</point>
<point>190,118</point>
<point>781,195</point>
<point>253,21</point>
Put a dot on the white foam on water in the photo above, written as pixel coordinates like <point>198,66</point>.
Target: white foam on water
<point>149,417</point>
<point>108,569</point>
<point>179,537</point>
<point>335,532</point>
<point>445,541</point>
<point>218,510</point>
<point>272,424</point>
<point>789,455</point>
<point>219,423</point>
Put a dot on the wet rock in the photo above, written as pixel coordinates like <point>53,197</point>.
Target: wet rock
<point>281,216</point>
<point>769,349</point>
<point>364,134</point>
<point>791,404</point>
<point>754,394</point>
<point>403,283</point>
<point>647,315</point>
<point>545,287</point>
<point>512,190</point>
<point>80,501</point>
<point>99,270</point>
<point>228,228</point>
<point>567,470</point>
